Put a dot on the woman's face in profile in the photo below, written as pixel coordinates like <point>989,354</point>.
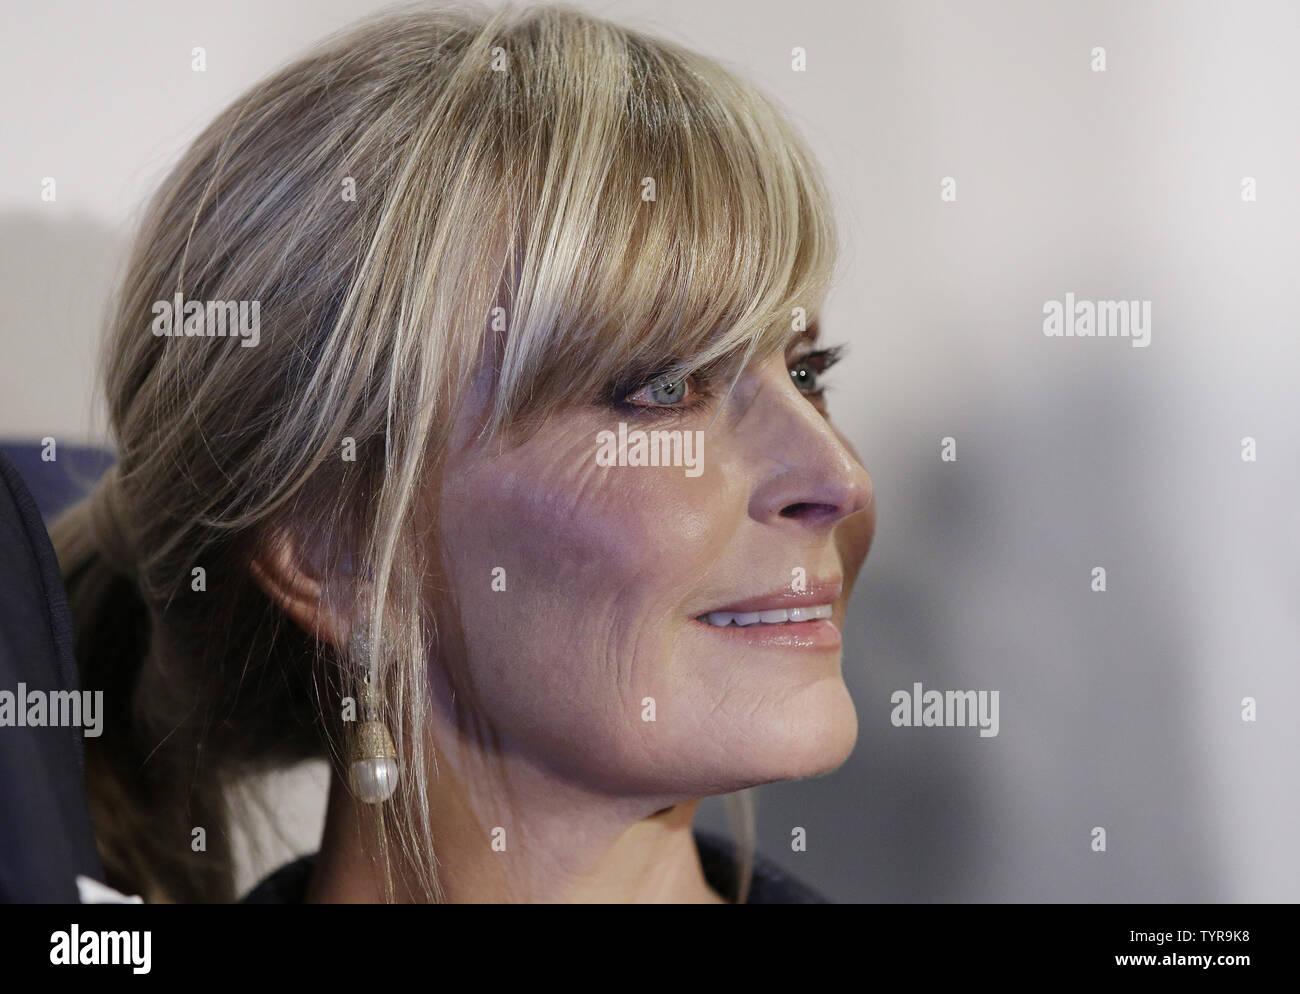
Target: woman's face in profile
<point>608,571</point>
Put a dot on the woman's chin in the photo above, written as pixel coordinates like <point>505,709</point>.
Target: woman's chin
<point>826,730</point>
<point>812,735</point>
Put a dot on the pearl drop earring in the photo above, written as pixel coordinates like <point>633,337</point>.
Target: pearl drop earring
<point>373,770</point>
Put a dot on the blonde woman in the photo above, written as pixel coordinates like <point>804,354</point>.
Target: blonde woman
<point>466,388</point>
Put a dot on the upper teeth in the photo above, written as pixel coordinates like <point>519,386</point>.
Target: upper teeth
<point>778,616</point>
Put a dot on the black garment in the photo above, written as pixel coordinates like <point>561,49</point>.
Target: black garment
<point>771,884</point>
<point>45,835</point>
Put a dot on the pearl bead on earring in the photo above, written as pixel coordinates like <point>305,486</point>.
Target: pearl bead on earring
<point>373,771</point>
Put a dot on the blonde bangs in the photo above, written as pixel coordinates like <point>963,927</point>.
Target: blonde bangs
<point>668,217</point>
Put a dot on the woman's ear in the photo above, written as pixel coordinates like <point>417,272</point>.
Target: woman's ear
<point>293,581</point>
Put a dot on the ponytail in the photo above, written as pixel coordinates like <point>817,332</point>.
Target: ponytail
<point>145,795</point>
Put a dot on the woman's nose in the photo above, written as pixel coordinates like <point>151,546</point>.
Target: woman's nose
<point>806,474</point>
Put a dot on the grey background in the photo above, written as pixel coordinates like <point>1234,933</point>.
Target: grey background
<point>1120,709</point>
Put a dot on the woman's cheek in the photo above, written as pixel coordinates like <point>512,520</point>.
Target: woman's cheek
<point>578,524</point>
<point>572,576</point>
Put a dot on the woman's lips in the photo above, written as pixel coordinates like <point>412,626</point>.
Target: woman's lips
<point>818,634</point>
<point>784,618</point>
<point>814,593</point>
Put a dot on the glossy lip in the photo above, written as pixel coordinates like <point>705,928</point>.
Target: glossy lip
<point>820,634</point>
<point>820,591</point>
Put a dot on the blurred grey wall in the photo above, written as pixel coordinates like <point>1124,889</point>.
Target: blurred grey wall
<point>1118,709</point>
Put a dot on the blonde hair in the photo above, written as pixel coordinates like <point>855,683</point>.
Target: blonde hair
<point>633,208</point>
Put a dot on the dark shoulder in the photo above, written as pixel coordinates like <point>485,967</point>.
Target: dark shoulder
<point>769,885</point>
<point>287,885</point>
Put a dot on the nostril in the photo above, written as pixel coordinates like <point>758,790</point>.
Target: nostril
<point>809,511</point>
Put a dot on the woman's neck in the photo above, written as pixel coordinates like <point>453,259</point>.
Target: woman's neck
<point>563,846</point>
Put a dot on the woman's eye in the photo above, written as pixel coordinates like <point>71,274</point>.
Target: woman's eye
<point>805,376</point>
<point>806,370</point>
<point>664,393</point>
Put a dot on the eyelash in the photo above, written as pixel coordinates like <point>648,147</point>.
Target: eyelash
<point>820,359</point>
